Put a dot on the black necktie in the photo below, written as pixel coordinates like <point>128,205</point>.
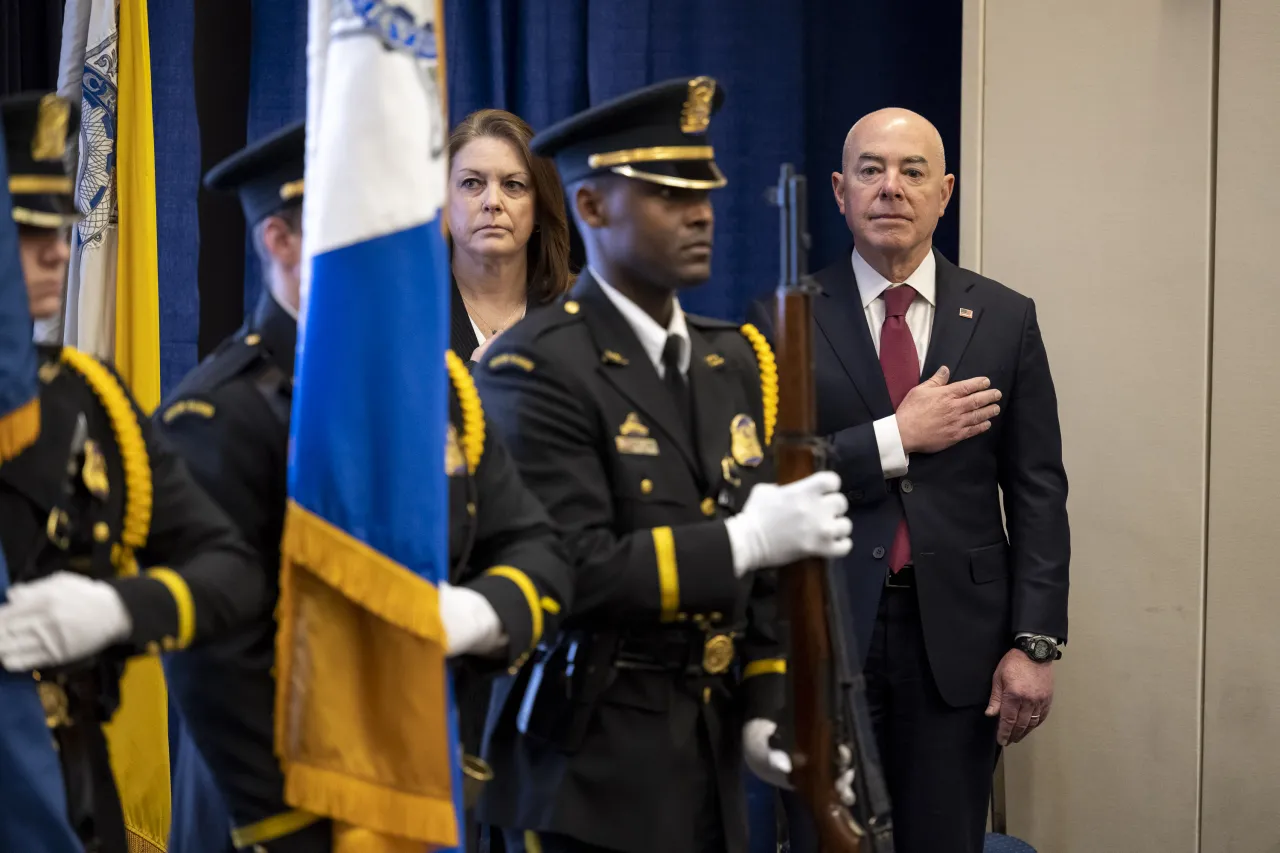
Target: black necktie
<point>675,382</point>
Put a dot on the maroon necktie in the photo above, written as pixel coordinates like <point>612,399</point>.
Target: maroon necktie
<point>901,366</point>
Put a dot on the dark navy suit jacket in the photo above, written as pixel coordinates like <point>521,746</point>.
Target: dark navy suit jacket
<point>977,585</point>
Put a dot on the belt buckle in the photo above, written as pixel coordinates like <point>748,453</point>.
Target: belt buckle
<point>717,654</point>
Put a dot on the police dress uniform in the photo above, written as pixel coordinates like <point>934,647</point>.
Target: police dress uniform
<point>100,494</point>
<point>627,734</point>
<point>230,419</point>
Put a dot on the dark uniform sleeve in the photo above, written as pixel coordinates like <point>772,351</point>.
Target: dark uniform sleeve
<point>524,572</point>
<point>224,442</point>
<point>201,579</point>
<point>644,575</point>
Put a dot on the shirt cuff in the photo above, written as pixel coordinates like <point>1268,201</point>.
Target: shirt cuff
<point>893,459</point>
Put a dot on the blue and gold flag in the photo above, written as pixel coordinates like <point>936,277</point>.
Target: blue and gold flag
<point>365,724</point>
<point>33,807</point>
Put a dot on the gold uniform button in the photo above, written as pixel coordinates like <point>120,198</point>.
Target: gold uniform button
<point>646,486</point>
<point>716,617</point>
<point>101,532</point>
<point>153,648</point>
<point>682,617</point>
<point>708,507</point>
<point>572,307</point>
<point>253,340</point>
<point>168,644</point>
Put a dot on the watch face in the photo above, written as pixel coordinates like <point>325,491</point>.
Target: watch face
<point>1040,650</point>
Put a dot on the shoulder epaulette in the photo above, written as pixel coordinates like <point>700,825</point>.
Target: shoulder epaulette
<point>232,358</point>
<point>701,322</point>
<point>133,450</point>
<point>768,377</point>
<point>563,311</point>
<point>464,387</point>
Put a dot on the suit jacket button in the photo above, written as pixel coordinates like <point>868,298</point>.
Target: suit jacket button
<point>906,486</point>
<point>877,552</point>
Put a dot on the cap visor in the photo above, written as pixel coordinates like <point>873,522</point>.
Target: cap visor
<point>683,174</point>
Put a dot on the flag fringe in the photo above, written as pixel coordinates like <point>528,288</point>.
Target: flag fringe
<point>388,590</point>
<point>19,429</point>
<point>373,809</point>
<point>367,577</point>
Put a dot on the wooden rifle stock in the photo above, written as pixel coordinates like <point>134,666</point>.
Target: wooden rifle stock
<point>814,690</point>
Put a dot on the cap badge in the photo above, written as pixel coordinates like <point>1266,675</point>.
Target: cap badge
<point>695,116</point>
<point>50,140</point>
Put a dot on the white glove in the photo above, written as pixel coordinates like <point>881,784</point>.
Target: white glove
<point>471,625</point>
<point>63,618</point>
<point>774,765</point>
<point>781,524</point>
<point>771,765</point>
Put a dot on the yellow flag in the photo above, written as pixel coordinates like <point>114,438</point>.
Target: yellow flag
<point>138,736</point>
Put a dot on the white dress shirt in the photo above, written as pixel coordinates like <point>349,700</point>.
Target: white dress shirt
<point>893,459</point>
<point>650,332</point>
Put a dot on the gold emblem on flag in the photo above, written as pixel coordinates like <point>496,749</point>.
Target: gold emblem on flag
<point>746,442</point>
<point>695,116</point>
<point>455,464</point>
<point>717,654</point>
<point>50,140</point>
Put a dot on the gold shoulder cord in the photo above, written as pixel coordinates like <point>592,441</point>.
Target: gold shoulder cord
<point>133,453</point>
<point>768,378</point>
<point>464,386</point>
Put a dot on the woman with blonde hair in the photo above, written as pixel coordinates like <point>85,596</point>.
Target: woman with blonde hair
<point>508,233</point>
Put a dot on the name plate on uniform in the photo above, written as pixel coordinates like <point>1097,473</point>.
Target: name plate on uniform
<point>636,445</point>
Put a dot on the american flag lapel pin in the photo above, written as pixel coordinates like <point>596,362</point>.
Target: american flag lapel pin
<point>966,313</point>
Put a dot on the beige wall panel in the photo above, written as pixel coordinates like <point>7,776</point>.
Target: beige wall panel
<point>1096,128</point>
<point>1242,681</point>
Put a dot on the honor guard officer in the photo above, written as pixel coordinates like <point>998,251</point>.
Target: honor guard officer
<point>230,419</point>
<point>113,548</point>
<point>646,433</point>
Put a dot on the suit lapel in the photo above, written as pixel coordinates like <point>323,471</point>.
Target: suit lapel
<point>713,404</point>
<point>462,337</point>
<point>952,329</point>
<point>626,366</point>
<point>841,319</point>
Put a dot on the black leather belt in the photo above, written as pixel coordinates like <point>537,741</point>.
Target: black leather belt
<point>904,578</point>
<point>690,652</point>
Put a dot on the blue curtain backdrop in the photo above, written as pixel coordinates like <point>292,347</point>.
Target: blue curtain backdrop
<point>797,75</point>
<point>277,96</point>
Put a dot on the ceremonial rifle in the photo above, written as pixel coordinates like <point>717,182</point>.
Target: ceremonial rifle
<point>827,729</point>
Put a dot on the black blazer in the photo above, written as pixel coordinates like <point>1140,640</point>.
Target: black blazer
<point>977,586</point>
<point>462,337</point>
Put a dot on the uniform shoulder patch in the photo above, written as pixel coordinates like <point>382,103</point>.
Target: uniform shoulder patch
<point>196,408</point>
<point>505,360</point>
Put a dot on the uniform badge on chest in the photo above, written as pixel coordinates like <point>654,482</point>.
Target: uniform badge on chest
<point>745,446</point>
<point>94,471</point>
<point>455,464</point>
<point>633,438</point>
